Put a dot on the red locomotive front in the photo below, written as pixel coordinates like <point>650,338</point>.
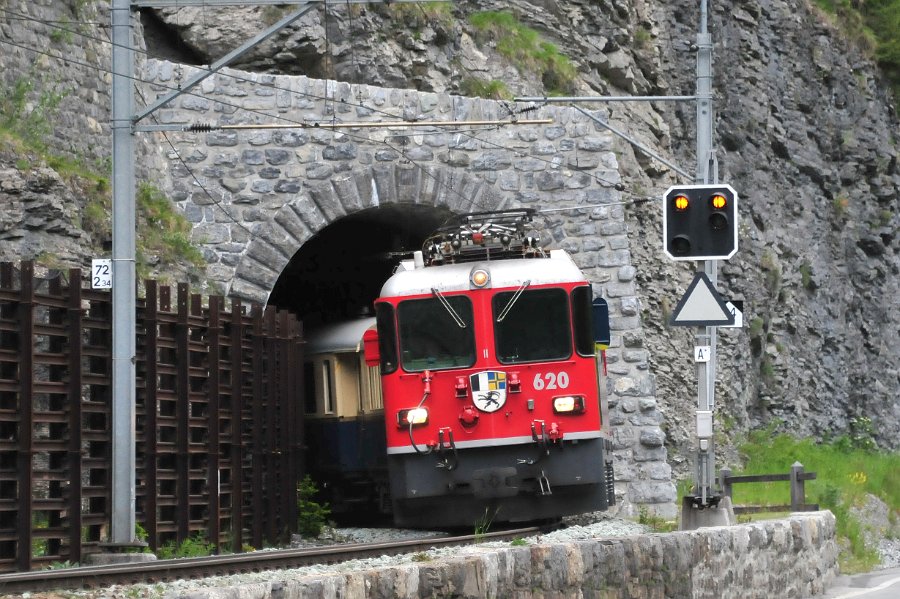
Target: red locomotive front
<point>490,382</point>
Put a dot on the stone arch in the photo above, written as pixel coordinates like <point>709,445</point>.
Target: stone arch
<point>317,205</point>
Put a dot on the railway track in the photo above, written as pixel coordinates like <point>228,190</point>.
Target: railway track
<point>93,577</point>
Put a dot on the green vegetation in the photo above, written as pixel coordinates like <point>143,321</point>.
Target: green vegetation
<point>481,88</point>
<point>847,468</point>
<point>654,522</point>
<point>772,269</point>
<point>311,516</point>
<point>28,118</point>
<point>421,14</point>
<point>873,25</point>
<point>841,203</point>
<point>767,370</point>
<point>483,524</point>
<point>641,37</point>
<point>524,47</point>
<point>26,125</point>
<point>806,276</point>
<point>165,232</point>
<point>195,546</point>
<point>518,542</point>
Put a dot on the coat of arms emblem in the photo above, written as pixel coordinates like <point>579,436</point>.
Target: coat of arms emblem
<point>488,390</point>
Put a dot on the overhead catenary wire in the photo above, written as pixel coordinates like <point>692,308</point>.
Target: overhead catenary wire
<point>370,124</point>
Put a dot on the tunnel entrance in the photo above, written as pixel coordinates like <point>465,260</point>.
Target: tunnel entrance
<point>338,273</point>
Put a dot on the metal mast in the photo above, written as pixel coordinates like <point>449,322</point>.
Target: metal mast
<point>123,290</point>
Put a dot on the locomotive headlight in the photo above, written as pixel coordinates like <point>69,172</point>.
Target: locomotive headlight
<point>479,278</point>
<point>568,404</point>
<point>413,416</point>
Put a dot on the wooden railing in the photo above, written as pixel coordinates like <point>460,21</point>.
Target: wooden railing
<point>796,477</point>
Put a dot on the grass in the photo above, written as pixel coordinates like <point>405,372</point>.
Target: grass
<point>874,26</point>
<point>482,88</point>
<point>195,546</point>
<point>165,232</point>
<point>421,14</point>
<point>526,49</point>
<point>847,469</point>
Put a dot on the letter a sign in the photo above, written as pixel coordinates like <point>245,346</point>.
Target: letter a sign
<point>701,306</point>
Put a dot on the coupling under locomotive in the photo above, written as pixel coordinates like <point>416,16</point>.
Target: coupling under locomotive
<point>490,380</point>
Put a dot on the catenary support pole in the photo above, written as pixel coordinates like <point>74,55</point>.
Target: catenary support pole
<point>706,507</point>
<point>706,336</point>
<point>123,289</point>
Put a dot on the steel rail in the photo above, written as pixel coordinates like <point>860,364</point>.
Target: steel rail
<point>93,577</point>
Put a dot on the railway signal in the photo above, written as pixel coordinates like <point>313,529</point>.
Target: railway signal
<point>700,222</point>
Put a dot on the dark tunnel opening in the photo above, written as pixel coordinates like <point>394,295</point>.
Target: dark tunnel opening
<point>339,272</point>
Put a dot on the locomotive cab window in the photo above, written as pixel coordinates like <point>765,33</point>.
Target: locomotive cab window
<point>534,327</point>
<point>582,320</point>
<point>387,337</point>
<point>436,333</point>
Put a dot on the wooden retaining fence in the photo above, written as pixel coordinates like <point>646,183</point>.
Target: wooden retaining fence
<point>797,477</point>
<point>218,429</point>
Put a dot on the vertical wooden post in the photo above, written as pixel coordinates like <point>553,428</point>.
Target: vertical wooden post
<point>295,411</point>
<point>151,410</point>
<point>75,425</point>
<point>271,462</point>
<point>182,411</point>
<point>237,415</point>
<point>214,353</point>
<point>258,419</point>
<point>725,482</point>
<point>798,491</point>
<point>25,464</point>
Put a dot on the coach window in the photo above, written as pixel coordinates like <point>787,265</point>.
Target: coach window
<point>309,388</point>
<point>534,327</point>
<point>327,388</point>
<point>436,333</point>
<point>387,337</point>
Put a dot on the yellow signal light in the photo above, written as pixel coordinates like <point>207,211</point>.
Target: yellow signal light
<point>718,201</point>
<point>681,203</point>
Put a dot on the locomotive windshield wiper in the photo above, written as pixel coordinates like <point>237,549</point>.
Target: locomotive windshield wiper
<point>512,300</point>
<point>446,304</point>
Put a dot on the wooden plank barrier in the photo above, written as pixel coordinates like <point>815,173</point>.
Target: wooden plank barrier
<point>797,477</point>
<point>218,434</point>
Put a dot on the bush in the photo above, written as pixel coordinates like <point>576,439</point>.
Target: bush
<point>311,515</point>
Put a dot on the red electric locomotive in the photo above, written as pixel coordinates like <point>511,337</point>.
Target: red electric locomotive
<point>491,380</point>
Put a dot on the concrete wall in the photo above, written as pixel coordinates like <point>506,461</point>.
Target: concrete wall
<point>794,557</point>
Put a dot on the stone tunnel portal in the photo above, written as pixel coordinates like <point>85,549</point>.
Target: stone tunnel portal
<point>338,273</point>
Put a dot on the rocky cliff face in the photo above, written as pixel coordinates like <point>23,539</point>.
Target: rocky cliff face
<point>805,132</point>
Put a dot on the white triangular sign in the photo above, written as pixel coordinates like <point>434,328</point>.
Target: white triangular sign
<point>701,306</point>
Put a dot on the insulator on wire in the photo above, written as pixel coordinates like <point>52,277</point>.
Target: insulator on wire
<point>201,128</point>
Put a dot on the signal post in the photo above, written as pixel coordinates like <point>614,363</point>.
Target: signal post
<point>700,223</point>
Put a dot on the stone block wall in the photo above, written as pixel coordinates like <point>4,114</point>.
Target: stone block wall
<point>793,557</point>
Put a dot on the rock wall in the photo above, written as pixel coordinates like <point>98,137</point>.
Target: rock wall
<point>796,557</point>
